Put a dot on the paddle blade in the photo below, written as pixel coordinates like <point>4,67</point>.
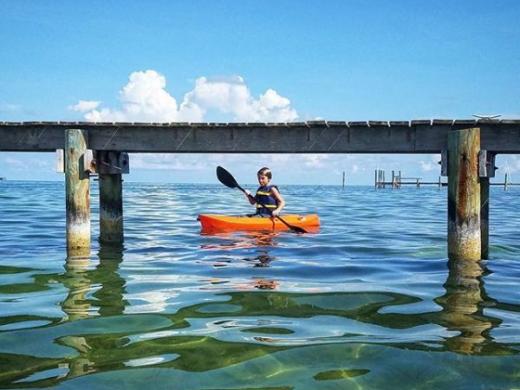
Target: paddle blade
<point>298,229</point>
<point>293,228</point>
<point>226,178</point>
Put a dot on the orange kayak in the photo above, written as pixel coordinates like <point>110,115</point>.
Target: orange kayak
<point>212,223</point>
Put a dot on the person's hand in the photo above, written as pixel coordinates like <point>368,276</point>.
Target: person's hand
<point>276,213</point>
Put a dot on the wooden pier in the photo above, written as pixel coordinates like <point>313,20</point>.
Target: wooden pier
<point>398,181</point>
<point>468,149</point>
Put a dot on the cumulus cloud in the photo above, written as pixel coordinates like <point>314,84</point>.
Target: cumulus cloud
<point>85,106</point>
<point>145,98</point>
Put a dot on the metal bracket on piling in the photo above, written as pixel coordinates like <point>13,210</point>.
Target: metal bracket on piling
<point>486,164</point>
<point>112,163</point>
<point>60,161</point>
<point>88,162</point>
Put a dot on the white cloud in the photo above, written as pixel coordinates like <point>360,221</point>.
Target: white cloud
<point>9,108</point>
<point>426,166</point>
<point>508,164</point>
<point>85,105</point>
<point>314,160</point>
<point>433,164</point>
<point>21,164</point>
<point>145,98</point>
<point>162,161</point>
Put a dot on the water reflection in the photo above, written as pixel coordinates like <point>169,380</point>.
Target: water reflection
<point>463,307</point>
<point>80,280</point>
<point>111,294</point>
<point>261,242</point>
<point>78,284</point>
<point>246,326</point>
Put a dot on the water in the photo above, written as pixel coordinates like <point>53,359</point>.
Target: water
<point>369,302</point>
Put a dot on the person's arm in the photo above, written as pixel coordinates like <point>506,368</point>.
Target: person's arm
<point>279,200</point>
<point>250,197</point>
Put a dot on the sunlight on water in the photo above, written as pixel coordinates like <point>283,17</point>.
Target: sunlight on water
<point>370,301</point>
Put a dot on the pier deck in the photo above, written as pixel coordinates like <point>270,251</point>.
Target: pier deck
<point>417,136</point>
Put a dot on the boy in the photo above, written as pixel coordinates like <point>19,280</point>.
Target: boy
<point>268,200</point>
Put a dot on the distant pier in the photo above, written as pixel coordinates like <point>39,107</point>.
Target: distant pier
<point>397,181</point>
<point>468,149</point>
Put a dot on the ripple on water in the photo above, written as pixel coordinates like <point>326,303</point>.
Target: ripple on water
<point>370,301</point>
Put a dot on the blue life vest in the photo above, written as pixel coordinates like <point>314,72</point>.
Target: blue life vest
<point>265,196</point>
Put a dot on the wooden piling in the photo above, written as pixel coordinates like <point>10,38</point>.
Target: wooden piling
<point>110,200</point>
<point>111,209</point>
<point>464,236</point>
<point>484,217</point>
<point>77,194</point>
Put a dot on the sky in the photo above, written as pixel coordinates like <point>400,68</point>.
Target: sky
<point>247,61</point>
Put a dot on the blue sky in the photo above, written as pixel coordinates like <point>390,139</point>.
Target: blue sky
<point>251,60</point>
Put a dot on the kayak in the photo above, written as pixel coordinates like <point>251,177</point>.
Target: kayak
<point>227,223</point>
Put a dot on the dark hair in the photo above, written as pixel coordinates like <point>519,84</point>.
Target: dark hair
<point>266,172</point>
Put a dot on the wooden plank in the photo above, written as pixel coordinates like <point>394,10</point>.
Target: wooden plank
<point>421,122</point>
<point>337,124</point>
<point>442,122</point>
<point>378,124</point>
<point>464,123</point>
<point>358,124</point>
<point>320,123</point>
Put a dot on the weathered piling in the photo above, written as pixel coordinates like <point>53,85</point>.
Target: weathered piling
<point>464,236</point>
<point>110,197</point>
<point>77,191</point>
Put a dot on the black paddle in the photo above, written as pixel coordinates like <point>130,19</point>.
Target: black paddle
<point>228,180</point>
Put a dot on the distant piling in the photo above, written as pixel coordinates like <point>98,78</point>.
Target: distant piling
<point>77,194</point>
<point>464,236</point>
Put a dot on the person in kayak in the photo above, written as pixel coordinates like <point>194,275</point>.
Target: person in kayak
<point>268,200</point>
